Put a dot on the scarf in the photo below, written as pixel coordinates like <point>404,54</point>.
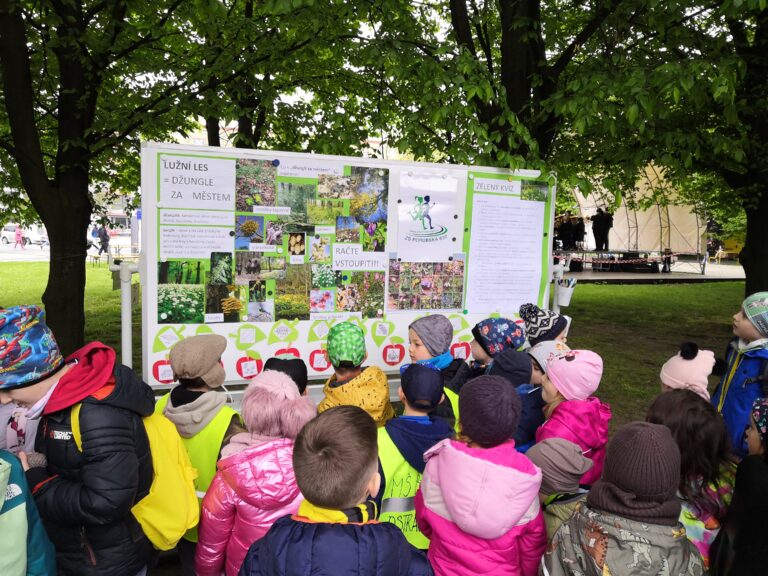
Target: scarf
<point>608,497</point>
<point>440,362</point>
<point>360,514</point>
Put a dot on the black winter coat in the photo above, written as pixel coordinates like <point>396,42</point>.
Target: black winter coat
<point>86,506</point>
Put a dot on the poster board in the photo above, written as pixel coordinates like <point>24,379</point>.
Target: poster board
<point>270,249</point>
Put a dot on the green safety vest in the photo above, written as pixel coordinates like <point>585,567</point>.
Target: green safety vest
<point>401,483</point>
<point>203,449</point>
<point>453,398</point>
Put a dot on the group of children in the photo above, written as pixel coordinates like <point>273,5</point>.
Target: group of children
<point>500,465</point>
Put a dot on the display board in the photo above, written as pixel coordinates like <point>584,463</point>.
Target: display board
<point>270,249</point>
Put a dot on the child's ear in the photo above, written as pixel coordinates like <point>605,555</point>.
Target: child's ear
<point>400,394</point>
<point>365,357</point>
<point>374,484</point>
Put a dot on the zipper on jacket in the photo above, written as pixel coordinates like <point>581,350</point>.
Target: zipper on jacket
<point>87,546</point>
<point>727,383</point>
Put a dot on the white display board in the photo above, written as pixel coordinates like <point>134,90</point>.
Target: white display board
<point>270,249</point>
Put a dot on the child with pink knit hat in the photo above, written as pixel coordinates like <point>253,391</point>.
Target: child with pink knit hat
<point>689,369</point>
<point>571,412</point>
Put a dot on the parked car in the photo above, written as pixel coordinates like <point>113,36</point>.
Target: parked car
<point>35,234</point>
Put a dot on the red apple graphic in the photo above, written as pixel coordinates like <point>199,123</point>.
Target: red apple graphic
<point>289,351</point>
<point>393,354</point>
<point>158,369</point>
<point>318,360</point>
<point>245,369</point>
<point>461,350</point>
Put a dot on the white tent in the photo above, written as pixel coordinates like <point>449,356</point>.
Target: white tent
<point>661,226</point>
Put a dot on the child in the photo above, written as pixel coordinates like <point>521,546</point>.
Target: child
<point>744,378</point>
<point>541,325</point>
<point>201,415</point>
<point>255,484</point>
<point>492,336</point>
<point>572,412</point>
<point>478,502</point>
<point>629,523</point>
<point>540,354</point>
<point>402,443</point>
<point>706,473</point>
<point>293,367</point>
<point>84,496</point>
<point>689,369</point>
<point>351,384</point>
<point>741,548</point>
<point>25,549</point>
<point>335,530</point>
<point>562,466</point>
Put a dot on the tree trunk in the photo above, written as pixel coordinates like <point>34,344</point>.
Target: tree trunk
<point>754,256</point>
<point>212,130</point>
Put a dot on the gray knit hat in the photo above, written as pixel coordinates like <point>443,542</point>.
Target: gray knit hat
<point>198,357</point>
<point>489,410</point>
<point>436,331</point>
<point>562,465</point>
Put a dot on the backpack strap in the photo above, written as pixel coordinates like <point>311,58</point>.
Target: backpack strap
<point>74,417</point>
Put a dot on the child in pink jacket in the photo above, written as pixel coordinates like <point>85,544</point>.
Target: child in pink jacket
<point>478,502</point>
<point>571,412</point>
<point>255,484</point>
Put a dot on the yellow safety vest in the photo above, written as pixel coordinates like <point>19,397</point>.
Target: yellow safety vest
<point>401,483</point>
<point>203,449</point>
<point>453,398</point>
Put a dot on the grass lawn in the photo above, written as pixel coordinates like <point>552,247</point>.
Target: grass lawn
<point>635,328</point>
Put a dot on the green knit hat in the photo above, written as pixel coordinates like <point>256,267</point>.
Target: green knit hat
<point>346,343</point>
<point>756,309</point>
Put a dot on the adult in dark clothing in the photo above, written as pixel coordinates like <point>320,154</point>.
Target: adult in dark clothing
<point>566,232</point>
<point>84,495</point>
<point>579,232</point>
<point>608,224</point>
<point>598,229</point>
<point>103,240</point>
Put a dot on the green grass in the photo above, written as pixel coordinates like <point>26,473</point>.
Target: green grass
<point>635,328</point>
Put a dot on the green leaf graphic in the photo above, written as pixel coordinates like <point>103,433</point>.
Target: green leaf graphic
<point>243,333</point>
<point>158,345</point>
<point>380,338</point>
<point>283,331</point>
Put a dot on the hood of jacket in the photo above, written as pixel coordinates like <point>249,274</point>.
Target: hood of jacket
<point>369,390</point>
<point>91,380</point>
<point>192,417</point>
<point>263,475</point>
<point>485,492</point>
<point>586,420</point>
<point>413,438</point>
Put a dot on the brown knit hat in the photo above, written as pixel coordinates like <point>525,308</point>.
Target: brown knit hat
<point>641,475</point>
<point>198,357</point>
<point>562,465</point>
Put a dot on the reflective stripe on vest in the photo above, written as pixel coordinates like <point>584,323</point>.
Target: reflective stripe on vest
<point>401,483</point>
<point>453,398</point>
<point>203,449</point>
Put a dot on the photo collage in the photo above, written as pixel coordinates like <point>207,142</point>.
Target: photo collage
<point>426,285</point>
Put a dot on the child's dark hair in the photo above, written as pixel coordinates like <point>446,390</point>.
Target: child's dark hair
<point>701,435</point>
<point>334,457</point>
<point>192,382</point>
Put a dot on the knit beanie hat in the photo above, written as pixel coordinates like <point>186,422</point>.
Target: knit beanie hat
<point>489,410</point>
<point>547,350</point>
<point>436,331</point>
<point>497,334</point>
<point>513,366</point>
<point>756,309</point>
<point>760,416</point>
<point>541,324</point>
<point>689,369</point>
<point>422,386</point>
<point>641,475</point>
<point>199,357</point>
<point>562,465</point>
<point>28,350</point>
<point>293,367</point>
<point>346,343</point>
<point>576,374</point>
<point>273,406</point>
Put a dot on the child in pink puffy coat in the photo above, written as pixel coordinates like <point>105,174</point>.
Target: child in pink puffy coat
<point>255,484</point>
<point>478,502</point>
<point>571,412</point>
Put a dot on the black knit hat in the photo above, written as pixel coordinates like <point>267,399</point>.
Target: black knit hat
<point>512,365</point>
<point>541,325</point>
<point>641,475</point>
<point>292,367</point>
<point>489,410</point>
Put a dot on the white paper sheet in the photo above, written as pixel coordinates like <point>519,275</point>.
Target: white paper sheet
<point>505,253</point>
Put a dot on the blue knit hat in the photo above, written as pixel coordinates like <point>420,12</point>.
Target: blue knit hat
<point>28,350</point>
<point>497,334</point>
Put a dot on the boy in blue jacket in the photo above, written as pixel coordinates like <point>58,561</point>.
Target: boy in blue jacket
<point>402,443</point>
<point>335,530</point>
<point>744,380</point>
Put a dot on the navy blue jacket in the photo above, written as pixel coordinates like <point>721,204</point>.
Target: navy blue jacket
<point>296,548</point>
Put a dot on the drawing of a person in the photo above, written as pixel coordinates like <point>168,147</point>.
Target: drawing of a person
<point>417,210</point>
<point>425,213</point>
